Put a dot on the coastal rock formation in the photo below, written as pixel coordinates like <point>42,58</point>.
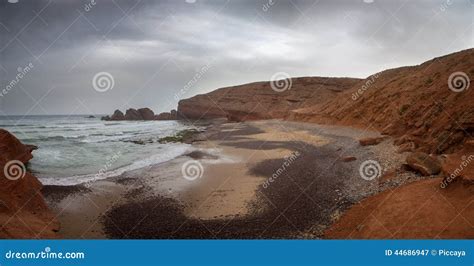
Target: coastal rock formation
<point>118,115</point>
<point>263,100</point>
<point>140,114</point>
<point>146,114</point>
<point>430,104</point>
<point>423,163</point>
<point>133,114</point>
<point>173,115</point>
<point>23,211</point>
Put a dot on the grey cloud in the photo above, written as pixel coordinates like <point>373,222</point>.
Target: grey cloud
<point>156,49</point>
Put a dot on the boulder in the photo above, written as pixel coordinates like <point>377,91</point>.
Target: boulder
<point>118,115</point>
<point>423,163</point>
<point>349,159</point>
<point>407,147</point>
<point>133,114</point>
<point>146,113</point>
<point>371,141</point>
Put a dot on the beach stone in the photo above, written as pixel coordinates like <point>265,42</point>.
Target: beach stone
<point>371,141</point>
<point>423,163</point>
<point>349,159</point>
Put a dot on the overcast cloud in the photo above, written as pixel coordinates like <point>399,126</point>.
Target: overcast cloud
<point>155,49</point>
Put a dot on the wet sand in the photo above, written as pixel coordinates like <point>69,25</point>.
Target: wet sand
<point>233,196</point>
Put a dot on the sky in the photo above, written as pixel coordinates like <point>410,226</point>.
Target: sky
<point>95,56</point>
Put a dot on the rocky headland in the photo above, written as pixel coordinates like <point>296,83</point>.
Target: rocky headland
<point>413,104</point>
<point>23,211</point>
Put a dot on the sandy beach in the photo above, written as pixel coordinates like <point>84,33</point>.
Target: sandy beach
<point>260,179</point>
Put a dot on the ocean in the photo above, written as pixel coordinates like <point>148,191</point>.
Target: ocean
<point>77,149</point>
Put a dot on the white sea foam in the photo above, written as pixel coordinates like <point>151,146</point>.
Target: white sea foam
<point>170,154</point>
<point>73,149</point>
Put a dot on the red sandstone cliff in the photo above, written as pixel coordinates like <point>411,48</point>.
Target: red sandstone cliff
<point>23,211</point>
<point>414,104</point>
<point>259,101</point>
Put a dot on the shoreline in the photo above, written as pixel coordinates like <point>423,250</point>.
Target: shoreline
<point>229,200</point>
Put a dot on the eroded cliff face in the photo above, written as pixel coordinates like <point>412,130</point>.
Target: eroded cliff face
<point>429,107</point>
<point>23,211</point>
<point>261,100</point>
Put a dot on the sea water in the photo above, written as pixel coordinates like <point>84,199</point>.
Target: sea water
<point>77,149</point>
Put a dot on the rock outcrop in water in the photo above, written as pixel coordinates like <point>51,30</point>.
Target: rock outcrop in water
<point>145,114</point>
<point>118,115</point>
<point>23,211</point>
<point>172,115</point>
